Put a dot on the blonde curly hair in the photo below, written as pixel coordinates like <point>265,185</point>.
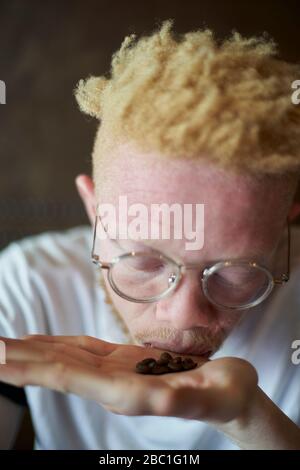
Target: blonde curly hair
<point>192,96</point>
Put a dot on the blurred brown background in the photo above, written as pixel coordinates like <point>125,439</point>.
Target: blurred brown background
<point>45,48</point>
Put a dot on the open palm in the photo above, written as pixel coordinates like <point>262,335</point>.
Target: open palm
<point>215,391</point>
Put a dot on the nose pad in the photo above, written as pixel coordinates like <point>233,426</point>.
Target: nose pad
<point>172,279</point>
<point>187,306</point>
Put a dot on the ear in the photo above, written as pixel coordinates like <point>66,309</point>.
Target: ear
<point>294,211</point>
<point>85,188</point>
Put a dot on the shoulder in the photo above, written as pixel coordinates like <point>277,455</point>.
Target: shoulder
<point>49,249</point>
<point>36,273</point>
<point>49,262</point>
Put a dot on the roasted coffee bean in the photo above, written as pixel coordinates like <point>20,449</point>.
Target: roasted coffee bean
<point>188,364</point>
<point>166,363</point>
<point>152,364</point>
<point>165,357</point>
<point>142,368</point>
<point>149,361</point>
<point>175,366</point>
<point>177,360</point>
<point>157,369</point>
<point>188,359</point>
<point>161,362</point>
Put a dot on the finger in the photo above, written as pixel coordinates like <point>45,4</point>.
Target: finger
<point>88,343</point>
<point>53,375</point>
<point>116,392</point>
<point>20,350</point>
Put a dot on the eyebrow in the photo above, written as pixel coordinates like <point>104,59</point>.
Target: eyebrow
<point>258,256</point>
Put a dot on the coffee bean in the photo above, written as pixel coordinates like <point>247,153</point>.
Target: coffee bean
<point>142,368</point>
<point>165,358</point>
<point>177,360</point>
<point>188,360</point>
<point>189,364</point>
<point>148,361</point>
<point>165,364</point>
<point>152,364</point>
<point>161,362</point>
<point>157,369</point>
<point>175,366</point>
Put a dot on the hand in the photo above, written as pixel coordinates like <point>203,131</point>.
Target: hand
<point>216,391</point>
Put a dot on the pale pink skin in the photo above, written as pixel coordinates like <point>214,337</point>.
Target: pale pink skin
<point>242,220</point>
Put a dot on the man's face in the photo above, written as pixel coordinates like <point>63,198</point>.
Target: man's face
<point>243,219</point>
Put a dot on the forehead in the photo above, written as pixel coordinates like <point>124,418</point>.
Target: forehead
<point>240,212</point>
<point>152,178</point>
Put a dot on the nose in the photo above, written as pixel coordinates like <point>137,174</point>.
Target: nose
<point>186,307</point>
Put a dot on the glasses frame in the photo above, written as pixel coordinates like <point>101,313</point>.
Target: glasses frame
<point>182,267</point>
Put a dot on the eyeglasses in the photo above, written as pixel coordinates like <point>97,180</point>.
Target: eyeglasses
<point>143,277</point>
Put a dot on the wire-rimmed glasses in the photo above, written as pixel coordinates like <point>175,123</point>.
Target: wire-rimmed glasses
<point>145,277</point>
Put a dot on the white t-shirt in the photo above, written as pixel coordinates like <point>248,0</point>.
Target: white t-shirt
<point>48,285</point>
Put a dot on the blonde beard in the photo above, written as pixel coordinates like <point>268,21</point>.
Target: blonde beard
<point>114,311</point>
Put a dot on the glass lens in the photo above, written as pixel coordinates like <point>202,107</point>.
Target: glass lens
<point>237,285</point>
<point>142,276</point>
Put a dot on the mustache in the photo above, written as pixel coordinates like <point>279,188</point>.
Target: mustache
<point>212,339</point>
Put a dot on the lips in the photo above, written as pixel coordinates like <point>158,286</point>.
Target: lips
<point>178,348</point>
